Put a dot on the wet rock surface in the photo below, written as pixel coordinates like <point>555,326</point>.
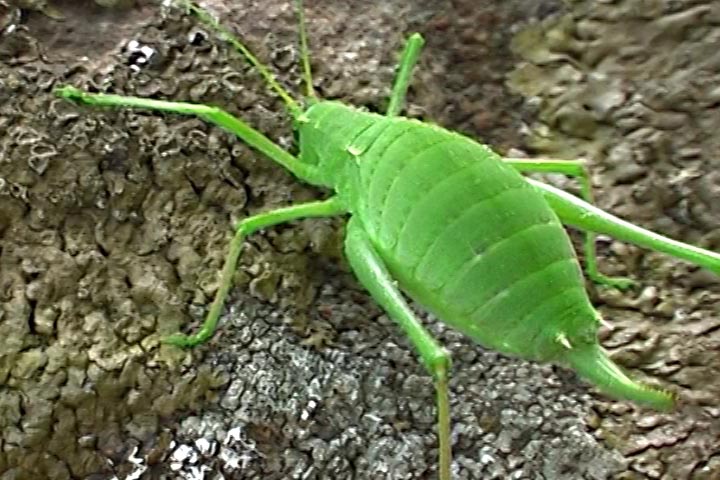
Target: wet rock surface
<point>114,224</point>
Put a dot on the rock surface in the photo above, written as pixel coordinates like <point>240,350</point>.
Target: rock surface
<point>114,224</point>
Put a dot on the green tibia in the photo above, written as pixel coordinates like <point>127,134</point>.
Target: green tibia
<point>248,226</point>
<point>407,62</point>
<point>217,116</point>
<point>591,361</point>
<point>574,168</point>
<point>373,274</point>
<point>573,211</point>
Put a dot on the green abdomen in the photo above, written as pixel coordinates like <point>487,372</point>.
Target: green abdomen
<point>467,237</point>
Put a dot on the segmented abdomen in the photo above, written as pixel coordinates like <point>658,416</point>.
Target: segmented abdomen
<point>466,235</point>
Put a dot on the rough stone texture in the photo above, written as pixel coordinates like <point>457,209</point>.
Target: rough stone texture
<point>113,225</point>
<point>633,86</point>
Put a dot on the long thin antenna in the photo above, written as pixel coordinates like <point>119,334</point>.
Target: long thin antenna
<point>206,18</point>
<point>304,51</point>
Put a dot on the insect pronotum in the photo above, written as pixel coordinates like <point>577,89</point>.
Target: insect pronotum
<point>445,219</point>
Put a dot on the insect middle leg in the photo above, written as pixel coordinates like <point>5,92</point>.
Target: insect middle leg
<point>574,168</point>
<point>248,226</point>
<point>372,273</point>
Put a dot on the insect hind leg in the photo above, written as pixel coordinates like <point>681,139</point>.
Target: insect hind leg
<point>578,213</point>
<point>372,273</point>
<point>576,169</point>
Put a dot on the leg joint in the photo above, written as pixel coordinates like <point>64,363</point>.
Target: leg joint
<point>439,364</point>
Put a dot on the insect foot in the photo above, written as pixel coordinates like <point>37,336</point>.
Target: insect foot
<point>69,93</point>
<point>185,341</point>
<point>621,283</point>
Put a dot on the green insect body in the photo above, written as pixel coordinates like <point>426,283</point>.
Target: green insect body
<point>464,234</point>
<point>461,231</point>
<point>446,219</point>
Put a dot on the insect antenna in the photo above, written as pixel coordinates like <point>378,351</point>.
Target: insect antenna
<point>304,51</point>
<point>206,18</point>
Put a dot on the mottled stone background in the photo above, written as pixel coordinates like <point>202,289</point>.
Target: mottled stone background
<point>114,224</point>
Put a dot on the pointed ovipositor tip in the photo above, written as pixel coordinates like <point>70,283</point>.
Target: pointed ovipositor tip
<point>592,363</point>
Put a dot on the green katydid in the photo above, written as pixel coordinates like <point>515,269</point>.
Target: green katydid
<point>444,219</point>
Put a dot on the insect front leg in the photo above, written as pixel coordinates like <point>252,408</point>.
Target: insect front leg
<point>578,213</point>
<point>574,168</point>
<point>214,115</point>
<point>374,276</point>
<point>408,59</point>
<point>248,226</point>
